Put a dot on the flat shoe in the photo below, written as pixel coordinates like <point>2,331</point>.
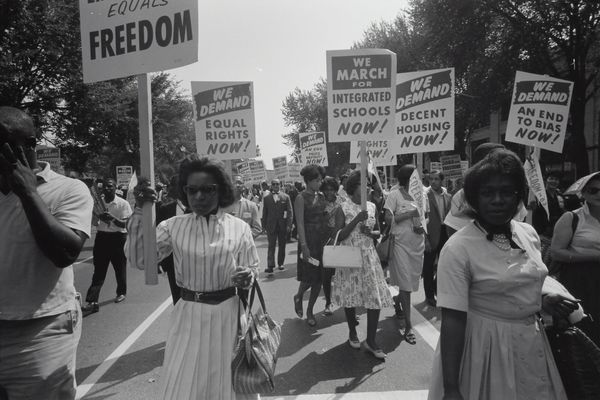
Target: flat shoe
<point>298,306</point>
<point>355,344</point>
<point>378,353</point>
<point>328,310</point>
<point>410,337</point>
<point>311,321</point>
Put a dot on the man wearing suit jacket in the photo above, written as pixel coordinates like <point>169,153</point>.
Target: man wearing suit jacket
<point>277,221</point>
<point>439,201</point>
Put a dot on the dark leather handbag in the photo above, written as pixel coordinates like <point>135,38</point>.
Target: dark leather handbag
<point>255,356</point>
<point>385,249</point>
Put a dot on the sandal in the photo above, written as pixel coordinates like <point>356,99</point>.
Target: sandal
<point>410,337</point>
<point>310,320</point>
<point>298,306</point>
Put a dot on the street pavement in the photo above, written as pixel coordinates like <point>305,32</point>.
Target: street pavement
<point>122,346</point>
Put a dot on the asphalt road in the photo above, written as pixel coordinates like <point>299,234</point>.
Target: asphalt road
<point>122,346</point>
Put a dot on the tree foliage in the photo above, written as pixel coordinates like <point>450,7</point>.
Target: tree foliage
<point>94,125</point>
<point>306,111</point>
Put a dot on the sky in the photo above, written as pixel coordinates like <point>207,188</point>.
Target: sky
<point>279,45</point>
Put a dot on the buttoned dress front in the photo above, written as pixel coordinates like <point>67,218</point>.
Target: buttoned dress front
<point>506,355</point>
<point>202,337</point>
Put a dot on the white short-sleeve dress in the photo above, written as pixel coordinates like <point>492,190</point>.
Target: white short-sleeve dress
<point>506,354</point>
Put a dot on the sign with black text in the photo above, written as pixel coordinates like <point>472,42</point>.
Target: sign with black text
<point>539,111</point>
<point>360,94</point>
<point>424,111</point>
<point>280,168</point>
<point>224,119</point>
<point>51,155</point>
<point>124,173</point>
<point>124,38</point>
<point>379,152</point>
<point>313,148</point>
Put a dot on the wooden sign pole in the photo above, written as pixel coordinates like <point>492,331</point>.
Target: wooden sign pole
<point>363,174</point>
<point>147,167</point>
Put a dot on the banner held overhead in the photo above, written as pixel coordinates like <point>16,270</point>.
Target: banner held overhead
<point>127,38</point>
<point>424,111</point>
<point>224,119</point>
<point>360,94</point>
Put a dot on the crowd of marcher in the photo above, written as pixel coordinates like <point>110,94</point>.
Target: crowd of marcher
<point>481,264</point>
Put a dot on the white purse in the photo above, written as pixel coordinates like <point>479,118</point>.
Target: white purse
<point>337,256</point>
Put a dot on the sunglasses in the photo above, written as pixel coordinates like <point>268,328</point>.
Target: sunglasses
<point>593,190</point>
<point>204,189</point>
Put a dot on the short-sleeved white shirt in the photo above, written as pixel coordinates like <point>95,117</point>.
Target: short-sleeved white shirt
<point>31,286</point>
<point>118,208</point>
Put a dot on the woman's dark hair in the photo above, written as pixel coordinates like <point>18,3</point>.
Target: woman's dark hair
<point>329,182</point>
<point>352,183</point>
<point>500,162</point>
<point>594,178</point>
<point>438,173</point>
<point>213,168</point>
<point>403,174</point>
<point>311,172</point>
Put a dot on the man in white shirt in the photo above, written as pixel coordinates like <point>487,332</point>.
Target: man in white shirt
<point>245,209</point>
<point>108,246</point>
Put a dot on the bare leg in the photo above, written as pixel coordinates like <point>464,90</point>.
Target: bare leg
<point>351,321</point>
<point>315,290</point>
<point>405,301</point>
<point>372,322</point>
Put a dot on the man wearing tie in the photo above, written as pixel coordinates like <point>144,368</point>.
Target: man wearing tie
<point>277,221</point>
<point>438,202</point>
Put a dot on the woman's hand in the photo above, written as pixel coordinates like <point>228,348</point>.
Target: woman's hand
<point>559,306</point>
<point>305,252</point>
<point>242,277</point>
<point>144,193</point>
<point>361,216</point>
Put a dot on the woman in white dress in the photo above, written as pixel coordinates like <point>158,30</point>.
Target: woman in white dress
<point>214,255</point>
<point>406,263</point>
<point>365,286</point>
<point>490,274</point>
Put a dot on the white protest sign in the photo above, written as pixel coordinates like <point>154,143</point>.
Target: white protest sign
<point>224,119</point>
<point>379,152</point>
<point>417,192</point>
<point>294,172</point>
<point>256,171</point>
<point>280,168</point>
<point>451,166</point>
<point>464,166</point>
<point>51,155</point>
<point>360,94</point>
<point>539,111</point>
<point>243,169</point>
<point>435,166</point>
<point>535,180</point>
<point>424,111</point>
<point>124,173</point>
<point>313,148</point>
<point>124,38</point>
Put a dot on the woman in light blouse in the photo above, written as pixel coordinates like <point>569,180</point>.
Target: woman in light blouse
<point>214,255</point>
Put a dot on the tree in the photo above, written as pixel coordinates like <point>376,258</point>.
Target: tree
<point>488,40</point>
<point>306,111</point>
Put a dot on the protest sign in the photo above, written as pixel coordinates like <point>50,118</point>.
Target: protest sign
<point>294,172</point>
<point>417,192</point>
<point>360,94</point>
<point>124,38</point>
<point>124,173</point>
<point>539,111</point>
<point>379,152</point>
<point>535,180</point>
<point>313,147</point>
<point>51,155</point>
<point>435,166</point>
<point>256,172</point>
<point>224,119</point>
<point>424,111</point>
<point>451,166</point>
<point>280,168</point>
<point>243,169</point>
<point>464,166</point>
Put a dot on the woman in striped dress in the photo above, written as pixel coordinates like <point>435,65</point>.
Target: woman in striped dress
<point>214,253</point>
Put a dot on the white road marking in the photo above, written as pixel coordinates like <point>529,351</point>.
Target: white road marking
<point>83,261</point>
<point>91,380</point>
<point>392,395</point>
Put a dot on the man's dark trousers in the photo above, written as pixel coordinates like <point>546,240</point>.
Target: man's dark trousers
<point>430,267</point>
<point>108,248</point>
<point>279,237</point>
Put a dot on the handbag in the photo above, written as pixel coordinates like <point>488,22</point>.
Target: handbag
<point>384,249</point>
<point>339,256</point>
<point>255,355</point>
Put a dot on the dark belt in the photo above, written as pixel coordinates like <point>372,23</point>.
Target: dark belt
<point>208,297</point>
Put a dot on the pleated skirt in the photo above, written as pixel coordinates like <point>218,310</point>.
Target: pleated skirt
<point>199,351</point>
